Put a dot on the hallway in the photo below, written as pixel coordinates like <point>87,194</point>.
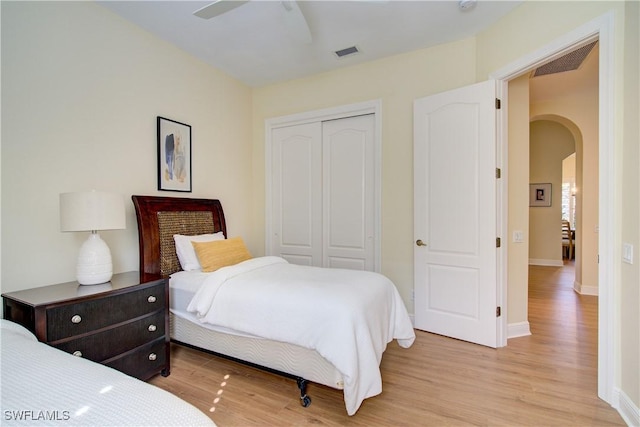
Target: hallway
<point>558,314</point>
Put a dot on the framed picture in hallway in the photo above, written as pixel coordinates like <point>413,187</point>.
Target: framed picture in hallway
<point>174,155</point>
<point>540,194</point>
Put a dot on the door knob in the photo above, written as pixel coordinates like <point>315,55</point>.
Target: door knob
<point>420,243</point>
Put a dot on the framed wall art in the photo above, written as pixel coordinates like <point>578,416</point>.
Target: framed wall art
<point>540,194</point>
<point>174,155</point>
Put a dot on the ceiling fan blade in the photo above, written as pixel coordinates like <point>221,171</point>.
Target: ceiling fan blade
<point>296,23</point>
<point>218,8</point>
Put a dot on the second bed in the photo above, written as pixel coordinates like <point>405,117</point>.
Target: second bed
<point>334,333</point>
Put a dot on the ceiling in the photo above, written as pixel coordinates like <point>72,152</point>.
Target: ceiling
<point>252,43</point>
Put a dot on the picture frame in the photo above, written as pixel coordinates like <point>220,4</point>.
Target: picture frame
<point>174,156</point>
<point>540,195</point>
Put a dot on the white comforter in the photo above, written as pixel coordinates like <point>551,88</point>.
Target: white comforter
<point>44,386</point>
<point>347,316</point>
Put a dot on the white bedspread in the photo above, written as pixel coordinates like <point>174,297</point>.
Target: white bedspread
<point>347,316</point>
<point>45,386</point>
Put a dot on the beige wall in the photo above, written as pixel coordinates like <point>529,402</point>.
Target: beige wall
<point>397,82</point>
<point>518,211</point>
<point>549,144</point>
<point>569,170</point>
<point>81,89</point>
<point>630,222</point>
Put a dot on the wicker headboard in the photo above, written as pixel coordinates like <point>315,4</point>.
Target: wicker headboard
<point>159,218</point>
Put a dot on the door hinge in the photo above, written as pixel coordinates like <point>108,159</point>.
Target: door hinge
<point>498,311</point>
<point>498,173</point>
<point>498,104</point>
<point>498,242</point>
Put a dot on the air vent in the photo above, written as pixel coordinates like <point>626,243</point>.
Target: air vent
<point>347,52</point>
<point>568,62</point>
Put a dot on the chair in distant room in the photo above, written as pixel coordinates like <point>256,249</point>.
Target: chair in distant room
<point>567,240</point>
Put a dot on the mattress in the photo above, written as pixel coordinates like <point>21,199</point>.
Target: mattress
<point>280,356</point>
<point>42,385</point>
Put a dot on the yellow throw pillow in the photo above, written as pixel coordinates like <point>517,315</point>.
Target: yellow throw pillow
<point>221,253</point>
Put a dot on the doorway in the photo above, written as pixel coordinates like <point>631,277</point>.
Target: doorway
<point>549,144</point>
<point>569,205</point>
<point>600,29</point>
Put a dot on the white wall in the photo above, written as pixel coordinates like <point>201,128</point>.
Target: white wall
<point>81,89</point>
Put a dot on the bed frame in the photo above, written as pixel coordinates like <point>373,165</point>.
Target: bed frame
<point>159,218</point>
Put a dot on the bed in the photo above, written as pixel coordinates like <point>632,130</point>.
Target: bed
<point>42,385</point>
<point>311,354</point>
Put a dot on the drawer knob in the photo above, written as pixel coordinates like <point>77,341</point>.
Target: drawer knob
<point>152,357</point>
<point>152,328</point>
<point>77,353</point>
<point>151,298</point>
<point>76,319</point>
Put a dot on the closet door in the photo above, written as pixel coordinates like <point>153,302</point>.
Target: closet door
<point>296,188</point>
<point>348,192</point>
<point>323,193</point>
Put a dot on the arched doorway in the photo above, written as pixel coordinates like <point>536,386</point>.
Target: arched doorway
<point>557,137</point>
<point>549,144</point>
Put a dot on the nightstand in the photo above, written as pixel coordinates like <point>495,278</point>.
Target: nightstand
<point>123,323</point>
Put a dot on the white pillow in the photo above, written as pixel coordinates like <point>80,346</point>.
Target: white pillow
<point>184,249</point>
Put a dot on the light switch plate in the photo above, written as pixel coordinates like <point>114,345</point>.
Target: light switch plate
<point>627,253</point>
<point>518,236</point>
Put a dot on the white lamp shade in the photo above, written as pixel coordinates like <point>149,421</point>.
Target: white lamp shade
<point>91,210</point>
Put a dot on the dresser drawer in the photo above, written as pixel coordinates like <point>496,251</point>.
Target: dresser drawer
<point>108,324</point>
<point>75,319</point>
<point>143,362</point>
<point>111,342</point>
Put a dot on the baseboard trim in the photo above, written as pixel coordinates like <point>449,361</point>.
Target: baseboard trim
<point>585,290</point>
<point>546,262</point>
<point>629,412</point>
<point>520,329</point>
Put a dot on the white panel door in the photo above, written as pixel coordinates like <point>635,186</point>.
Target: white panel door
<point>296,193</point>
<point>455,214</point>
<point>348,192</point>
<point>323,193</point>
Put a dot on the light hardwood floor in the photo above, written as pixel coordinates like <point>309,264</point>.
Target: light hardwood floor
<point>546,379</point>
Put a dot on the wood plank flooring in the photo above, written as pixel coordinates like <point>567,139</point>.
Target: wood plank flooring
<point>546,379</point>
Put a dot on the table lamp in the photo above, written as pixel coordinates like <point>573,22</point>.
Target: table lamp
<point>92,211</point>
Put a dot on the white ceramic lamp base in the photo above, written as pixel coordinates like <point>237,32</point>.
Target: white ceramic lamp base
<point>94,261</point>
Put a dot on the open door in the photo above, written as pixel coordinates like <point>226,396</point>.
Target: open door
<point>455,214</point>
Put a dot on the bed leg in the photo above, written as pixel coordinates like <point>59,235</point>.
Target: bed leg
<point>304,399</point>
